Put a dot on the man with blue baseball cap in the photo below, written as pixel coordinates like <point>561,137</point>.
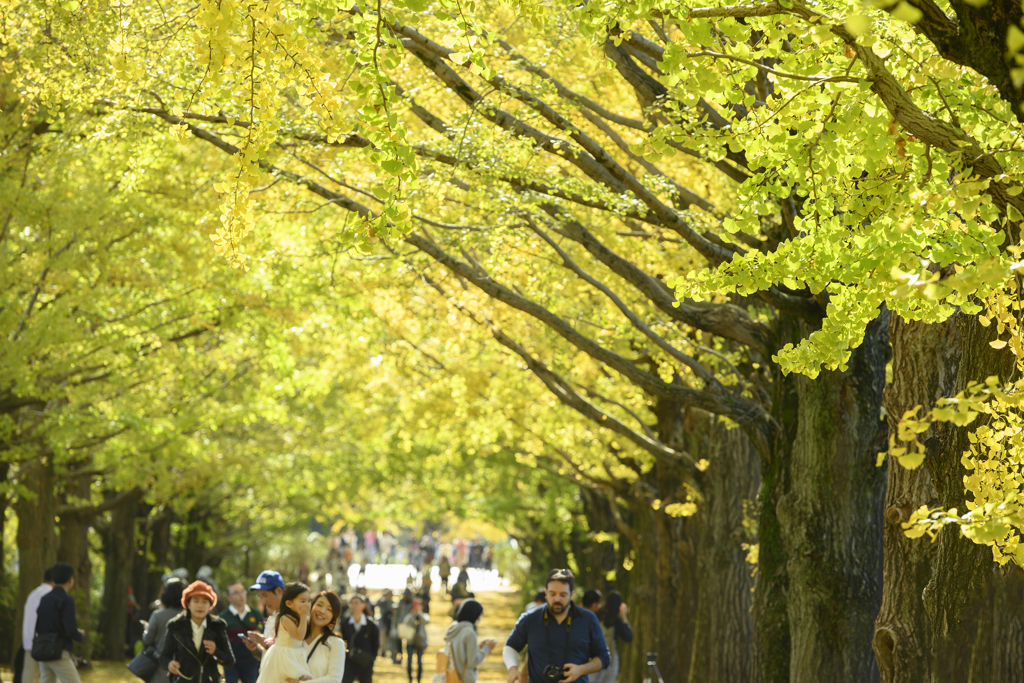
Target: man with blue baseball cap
<point>270,587</point>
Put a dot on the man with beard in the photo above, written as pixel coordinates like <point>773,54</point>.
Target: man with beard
<point>566,643</point>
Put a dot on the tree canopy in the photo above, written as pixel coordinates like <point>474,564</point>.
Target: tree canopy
<point>669,256</point>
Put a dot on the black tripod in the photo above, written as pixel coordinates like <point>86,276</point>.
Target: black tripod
<point>652,668</point>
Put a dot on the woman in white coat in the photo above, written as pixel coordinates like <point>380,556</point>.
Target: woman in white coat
<point>325,650</point>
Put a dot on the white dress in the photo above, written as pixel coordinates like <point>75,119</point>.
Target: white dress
<point>286,658</point>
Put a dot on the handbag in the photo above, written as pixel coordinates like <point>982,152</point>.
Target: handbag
<point>360,656</point>
<point>144,665</point>
<point>406,631</point>
<point>445,671</point>
<point>47,647</point>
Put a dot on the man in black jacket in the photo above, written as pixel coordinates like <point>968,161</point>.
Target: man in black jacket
<point>362,638</point>
<point>56,614</point>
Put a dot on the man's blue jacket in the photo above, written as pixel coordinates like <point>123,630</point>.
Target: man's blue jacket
<point>576,640</point>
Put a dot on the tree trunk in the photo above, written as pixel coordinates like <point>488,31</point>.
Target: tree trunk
<point>119,553</point>
<point>924,367</point>
<point>974,607</point>
<point>74,549</point>
<point>723,643</point>
<point>158,556</point>
<point>664,594</point>
<point>596,560</point>
<point>831,518</point>
<point>37,535</point>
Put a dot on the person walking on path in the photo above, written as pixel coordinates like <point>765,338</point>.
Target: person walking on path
<point>386,609</point>
<point>562,638</point>
<point>615,628</point>
<point>461,640</point>
<point>196,640</point>
<point>30,667</point>
<point>156,629</point>
<point>362,637</point>
<point>286,658</point>
<point>240,619</point>
<point>56,614</point>
<point>416,627</point>
<point>325,650</point>
<point>401,612</point>
<point>424,593</point>
<point>592,600</point>
<point>444,568</point>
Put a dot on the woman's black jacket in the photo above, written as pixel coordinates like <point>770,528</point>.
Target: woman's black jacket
<point>196,667</point>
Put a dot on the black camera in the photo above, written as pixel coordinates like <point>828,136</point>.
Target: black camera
<point>553,672</point>
<point>652,658</point>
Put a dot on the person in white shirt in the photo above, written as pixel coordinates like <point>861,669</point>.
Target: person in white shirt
<point>325,649</point>
<point>30,670</point>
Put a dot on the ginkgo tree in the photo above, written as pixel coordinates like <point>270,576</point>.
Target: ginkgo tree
<point>807,179</point>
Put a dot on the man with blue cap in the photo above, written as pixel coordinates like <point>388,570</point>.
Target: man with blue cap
<point>270,587</point>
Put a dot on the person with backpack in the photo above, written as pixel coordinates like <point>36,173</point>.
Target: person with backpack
<point>415,626</point>
<point>57,629</point>
<point>615,628</point>
<point>464,654</point>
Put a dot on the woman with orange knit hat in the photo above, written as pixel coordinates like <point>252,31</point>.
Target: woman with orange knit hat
<point>196,640</point>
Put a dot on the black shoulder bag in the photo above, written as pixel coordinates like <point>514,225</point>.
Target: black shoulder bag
<point>48,647</point>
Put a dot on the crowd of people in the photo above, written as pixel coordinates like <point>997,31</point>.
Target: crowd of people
<point>294,633</point>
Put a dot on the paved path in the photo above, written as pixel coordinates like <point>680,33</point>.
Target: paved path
<point>501,608</point>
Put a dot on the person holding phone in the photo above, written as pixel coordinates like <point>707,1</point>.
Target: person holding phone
<point>240,619</point>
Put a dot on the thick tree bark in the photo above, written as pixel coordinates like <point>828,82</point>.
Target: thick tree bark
<point>924,367</point>
<point>595,560</point>
<point>74,549</point>
<point>723,649</point>
<point>831,518</point>
<point>37,534</point>
<point>119,553</point>
<point>973,606</point>
<point>159,555</point>
<point>664,595</point>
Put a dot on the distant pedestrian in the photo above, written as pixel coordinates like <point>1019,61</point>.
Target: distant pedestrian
<point>424,593</point>
<point>561,636</point>
<point>156,629</point>
<point>30,667</point>
<point>402,610</point>
<point>240,619</point>
<point>416,623</point>
<point>591,600</point>
<point>363,640</point>
<point>461,640</point>
<point>386,608</point>
<point>444,568</point>
<point>197,640</point>
<point>56,615</point>
<point>539,600</point>
<point>615,628</point>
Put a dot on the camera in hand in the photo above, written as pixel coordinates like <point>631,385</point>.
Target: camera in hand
<point>554,672</point>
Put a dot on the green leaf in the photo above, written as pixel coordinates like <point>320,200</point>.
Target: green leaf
<point>907,12</point>
<point>857,24</point>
